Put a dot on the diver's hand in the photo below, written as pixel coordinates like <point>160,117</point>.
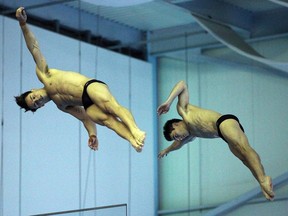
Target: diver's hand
<point>21,15</point>
<point>163,108</point>
<point>93,142</point>
<point>163,153</point>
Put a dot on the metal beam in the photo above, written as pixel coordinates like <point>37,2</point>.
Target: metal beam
<point>281,2</point>
<point>241,200</point>
<point>208,207</point>
<point>221,11</point>
<point>234,41</point>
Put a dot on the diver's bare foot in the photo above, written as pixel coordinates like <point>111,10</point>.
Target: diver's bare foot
<point>139,137</point>
<point>135,145</point>
<point>139,149</point>
<point>267,188</point>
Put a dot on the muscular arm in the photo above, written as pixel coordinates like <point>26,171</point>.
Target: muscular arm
<point>32,44</point>
<point>175,146</point>
<point>180,90</point>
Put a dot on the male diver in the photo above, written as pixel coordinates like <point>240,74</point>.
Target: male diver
<point>198,122</point>
<point>87,99</point>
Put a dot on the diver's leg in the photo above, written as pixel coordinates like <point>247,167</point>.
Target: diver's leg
<point>102,98</point>
<point>240,147</point>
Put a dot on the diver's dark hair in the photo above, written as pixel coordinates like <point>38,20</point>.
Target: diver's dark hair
<point>168,128</point>
<point>20,100</point>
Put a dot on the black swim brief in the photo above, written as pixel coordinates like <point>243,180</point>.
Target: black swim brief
<point>223,118</point>
<point>86,101</point>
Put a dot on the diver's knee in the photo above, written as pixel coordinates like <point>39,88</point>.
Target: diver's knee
<point>113,108</point>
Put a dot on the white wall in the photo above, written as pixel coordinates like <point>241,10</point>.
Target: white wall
<point>205,173</point>
<point>46,164</point>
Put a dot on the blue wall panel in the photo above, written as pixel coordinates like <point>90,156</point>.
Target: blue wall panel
<point>11,133</point>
